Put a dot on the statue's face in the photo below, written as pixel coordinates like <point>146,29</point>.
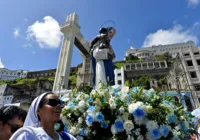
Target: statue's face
<point>111,33</point>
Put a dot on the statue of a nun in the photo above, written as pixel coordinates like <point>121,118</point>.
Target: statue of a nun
<point>102,58</point>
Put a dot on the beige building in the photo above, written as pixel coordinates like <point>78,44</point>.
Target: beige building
<point>185,73</point>
<point>146,52</point>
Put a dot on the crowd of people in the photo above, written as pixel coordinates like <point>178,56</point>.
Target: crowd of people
<point>40,121</point>
<point>38,124</point>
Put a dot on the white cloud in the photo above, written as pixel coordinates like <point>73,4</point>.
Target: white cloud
<point>1,64</point>
<point>176,34</point>
<point>16,32</point>
<point>47,33</point>
<point>33,52</point>
<point>193,2</point>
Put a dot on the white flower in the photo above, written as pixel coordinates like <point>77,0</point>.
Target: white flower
<point>140,104</point>
<point>82,106</point>
<point>86,96</point>
<point>139,121</point>
<point>66,99</point>
<point>113,106</point>
<point>111,100</point>
<point>74,130</point>
<point>80,120</point>
<point>130,137</point>
<point>125,97</point>
<point>132,107</point>
<point>76,113</point>
<point>151,125</point>
<point>117,87</point>
<point>128,125</point>
<point>113,130</point>
<point>140,137</point>
<point>97,108</point>
<point>79,138</point>
<point>121,109</point>
<point>148,108</point>
<point>125,89</point>
<point>125,116</point>
<point>98,102</point>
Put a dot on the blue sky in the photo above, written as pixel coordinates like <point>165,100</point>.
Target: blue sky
<point>25,44</point>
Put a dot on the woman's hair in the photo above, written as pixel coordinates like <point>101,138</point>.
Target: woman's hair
<point>9,112</point>
<point>43,101</point>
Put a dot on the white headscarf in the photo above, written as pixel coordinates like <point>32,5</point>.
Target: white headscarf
<point>32,118</point>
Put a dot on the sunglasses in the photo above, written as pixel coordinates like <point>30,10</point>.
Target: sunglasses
<point>55,102</point>
<point>13,127</point>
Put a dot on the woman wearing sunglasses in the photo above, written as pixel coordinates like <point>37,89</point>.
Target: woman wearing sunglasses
<point>42,116</point>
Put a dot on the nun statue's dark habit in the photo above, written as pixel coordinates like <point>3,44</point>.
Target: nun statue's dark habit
<point>102,57</point>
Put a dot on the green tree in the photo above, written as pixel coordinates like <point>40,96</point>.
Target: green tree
<point>131,57</point>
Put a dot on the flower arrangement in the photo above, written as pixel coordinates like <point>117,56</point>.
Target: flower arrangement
<point>123,113</point>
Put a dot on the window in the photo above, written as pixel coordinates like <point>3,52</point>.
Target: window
<point>193,74</point>
<point>197,87</point>
<point>189,63</point>
<point>119,82</point>
<point>198,62</point>
<point>119,74</point>
<point>196,53</point>
<point>186,54</point>
<point>188,103</point>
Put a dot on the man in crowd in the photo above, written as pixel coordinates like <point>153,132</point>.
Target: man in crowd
<point>11,119</point>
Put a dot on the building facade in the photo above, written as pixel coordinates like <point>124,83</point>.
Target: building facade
<point>41,73</point>
<point>185,74</point>
<point>173,49</point>
<point>6,74</point>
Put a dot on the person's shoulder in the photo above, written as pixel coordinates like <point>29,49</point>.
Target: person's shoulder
<point>66,136</point>
<point>71,137</point>
<point>26,133</point>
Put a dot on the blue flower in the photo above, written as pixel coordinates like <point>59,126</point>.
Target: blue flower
<point>91,109</point>
<point>126,98</point>
<point>183,126</point>
<point>89,119</point>
<point>90,100</point>
<point>172,119</point>
<point>119,126</point>
<point>99,116</point>
<point>138,113</point>
<point>104,124</point>
<point>155,133</point>
<point>83,132</point>
<point>116,93</point>
<point>136,89</point>
<point>164,130</point>
<point>71,105</point>
<point>176,137</point>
